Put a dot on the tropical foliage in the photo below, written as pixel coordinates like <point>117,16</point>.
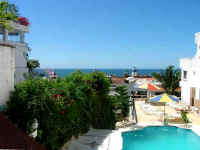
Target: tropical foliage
<point>11,8</point>
<point>122,102</point>
<point>65,107</point>
<point>170,79</point>
<point>8,12</point>
<point>32,64</point>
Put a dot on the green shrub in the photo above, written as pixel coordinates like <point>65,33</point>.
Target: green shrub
<point>184,117</point>
<point>122,101</point>
<point>101,109</point>
<point>64,107</point>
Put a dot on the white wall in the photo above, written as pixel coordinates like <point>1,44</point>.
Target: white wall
<point>7,69</point>
<point>185,93</point>
<point>192,66</point>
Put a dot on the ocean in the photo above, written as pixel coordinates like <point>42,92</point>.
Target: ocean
<point>116,72</point>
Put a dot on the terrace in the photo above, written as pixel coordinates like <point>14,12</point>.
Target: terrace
<point>15,35</point>
<point>151,116</point>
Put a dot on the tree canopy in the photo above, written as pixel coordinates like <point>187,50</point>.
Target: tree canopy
<point>8,12</point>
<point>32,64</point>
<point>169,79</point>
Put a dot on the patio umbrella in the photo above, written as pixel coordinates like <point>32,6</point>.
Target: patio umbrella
<point>140,87</point>
<point>147,86</point>
<point>164,98</point>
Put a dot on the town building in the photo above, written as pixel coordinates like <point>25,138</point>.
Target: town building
<point>134,72</point>
<point>190,78</point>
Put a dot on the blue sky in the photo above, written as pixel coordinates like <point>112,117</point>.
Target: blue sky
<point>111,33</point>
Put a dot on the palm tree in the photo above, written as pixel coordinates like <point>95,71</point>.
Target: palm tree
<point>11,8</point>
<point>8,12</point>
<point>32,64</point>
<point>169,79</point>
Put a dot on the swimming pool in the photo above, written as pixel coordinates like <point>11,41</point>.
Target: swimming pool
<point>161,138</point>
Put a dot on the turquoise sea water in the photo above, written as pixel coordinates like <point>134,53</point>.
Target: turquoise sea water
<point>117,72</point>
<point>161,138</point>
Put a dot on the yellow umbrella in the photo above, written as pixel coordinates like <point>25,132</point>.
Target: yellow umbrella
<point>164,98</point>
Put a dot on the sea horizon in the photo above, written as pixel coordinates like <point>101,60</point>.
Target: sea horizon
<point>102,68</point>
<point>112,71</point>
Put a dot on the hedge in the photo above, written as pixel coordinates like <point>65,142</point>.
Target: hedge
<point>64,107</point>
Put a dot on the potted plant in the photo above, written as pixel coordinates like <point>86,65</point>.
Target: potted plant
<point>23,21</point>
<point>185,118</point>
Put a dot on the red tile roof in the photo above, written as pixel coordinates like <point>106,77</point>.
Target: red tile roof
<point>118,80</point>
<point>147,79</point>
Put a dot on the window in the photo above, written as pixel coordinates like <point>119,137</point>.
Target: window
<point>184,74</point>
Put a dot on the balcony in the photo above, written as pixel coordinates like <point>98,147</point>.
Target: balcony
<point>16,27</point>
<point>16,35</point>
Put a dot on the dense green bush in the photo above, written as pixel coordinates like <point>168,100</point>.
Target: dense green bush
<point>123,98</point>
<point>64,107</point>
<point>121,102</point>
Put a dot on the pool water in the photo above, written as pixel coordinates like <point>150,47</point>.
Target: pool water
<point>161,138</point>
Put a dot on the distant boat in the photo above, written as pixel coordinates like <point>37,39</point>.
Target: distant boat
<point>51,73</point>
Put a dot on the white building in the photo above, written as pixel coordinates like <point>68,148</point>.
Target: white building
<point>190,79</point>
<point>13,53</point>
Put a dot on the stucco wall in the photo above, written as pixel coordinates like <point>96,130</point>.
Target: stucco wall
<point>192,66</point>
<point>7,69</point>
<point>185,93</point>
<point>20,59</point>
